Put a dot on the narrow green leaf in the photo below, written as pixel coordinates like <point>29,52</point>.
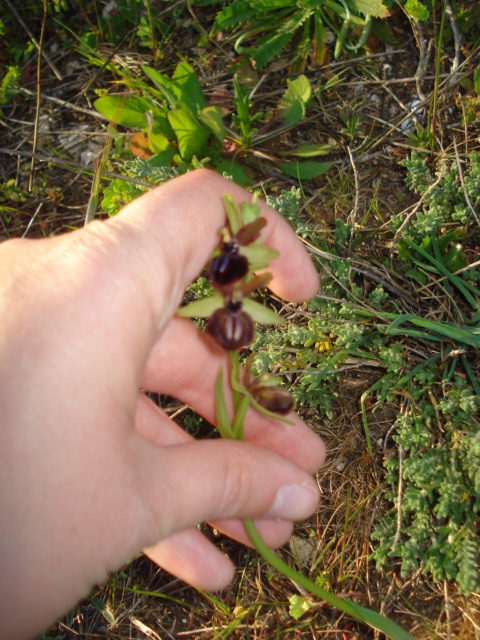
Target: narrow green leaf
<point>237,425</point>
<point>310,150</point>
<point>462,285</point>
<point>221,413</point>
<point>476,80</point>
<point>304,170</point>
<point>191,136</point>
<point>171,93</point>
<point>202,308</point>
<point>417,275</point>
<point>456,333</point>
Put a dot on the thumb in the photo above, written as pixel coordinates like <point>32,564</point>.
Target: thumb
<point>186,484</point>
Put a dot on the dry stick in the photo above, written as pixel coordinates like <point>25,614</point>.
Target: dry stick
<point>32,220</point>
<point>33,39</point>
<point>67,105</point>
<point>37,106</point>
<point>353,214</point>
<point>72,165</point>
<point>417,207</point>
<point>457,39</point>
<point>447,609</point>
<point>97,180</point>
<point>398,531</point>
<point>462,181</point>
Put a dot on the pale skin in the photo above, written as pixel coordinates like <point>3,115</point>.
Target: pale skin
<point>92,471</point>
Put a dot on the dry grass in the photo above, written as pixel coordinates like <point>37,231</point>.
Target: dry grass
<point>45,133</point>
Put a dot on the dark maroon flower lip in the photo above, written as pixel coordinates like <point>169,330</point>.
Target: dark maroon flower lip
<point>273,399</point>
<point>228,267</point>
<point>231,327</point>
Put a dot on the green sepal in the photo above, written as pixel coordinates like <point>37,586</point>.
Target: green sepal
<point>237,387</point>
<point>202,308</point>
<point>259,255</point>
<point>233,212</point>
<point>271,414</point>
<point>260,313</point>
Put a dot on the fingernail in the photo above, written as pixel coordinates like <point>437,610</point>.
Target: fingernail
<point>294,502</point>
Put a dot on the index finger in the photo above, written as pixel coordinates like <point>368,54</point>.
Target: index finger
<point>183,217</point>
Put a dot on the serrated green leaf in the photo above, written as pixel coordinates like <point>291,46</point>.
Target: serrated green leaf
<point>374,8</point>
<point>260,313</point>
<point>416,10</point>
<point>233,15</point>
<point>299,605</point>
<point>270,48</point>
<point>304,170</point>
<point>202,308</point>
<point>191,136</point>
<point>128,111</point>
<point>310,150</point>
<point>212,118</point>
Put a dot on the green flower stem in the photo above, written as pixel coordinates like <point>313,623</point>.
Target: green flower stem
<point>235,430</point>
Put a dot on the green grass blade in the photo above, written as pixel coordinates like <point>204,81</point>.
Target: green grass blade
<point>458,282</point>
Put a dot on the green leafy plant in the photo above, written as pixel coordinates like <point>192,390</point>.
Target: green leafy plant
<point>9,85</point>
<point>289,112</point>
<point>271,25</point>
<point>433,483</point>
<point>130,20</point>
<point>174,115</point>
<point>177,130</point>
<point>231,270</point>
<point>434,486</point>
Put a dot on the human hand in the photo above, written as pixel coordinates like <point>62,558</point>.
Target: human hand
<point>95,471</point>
